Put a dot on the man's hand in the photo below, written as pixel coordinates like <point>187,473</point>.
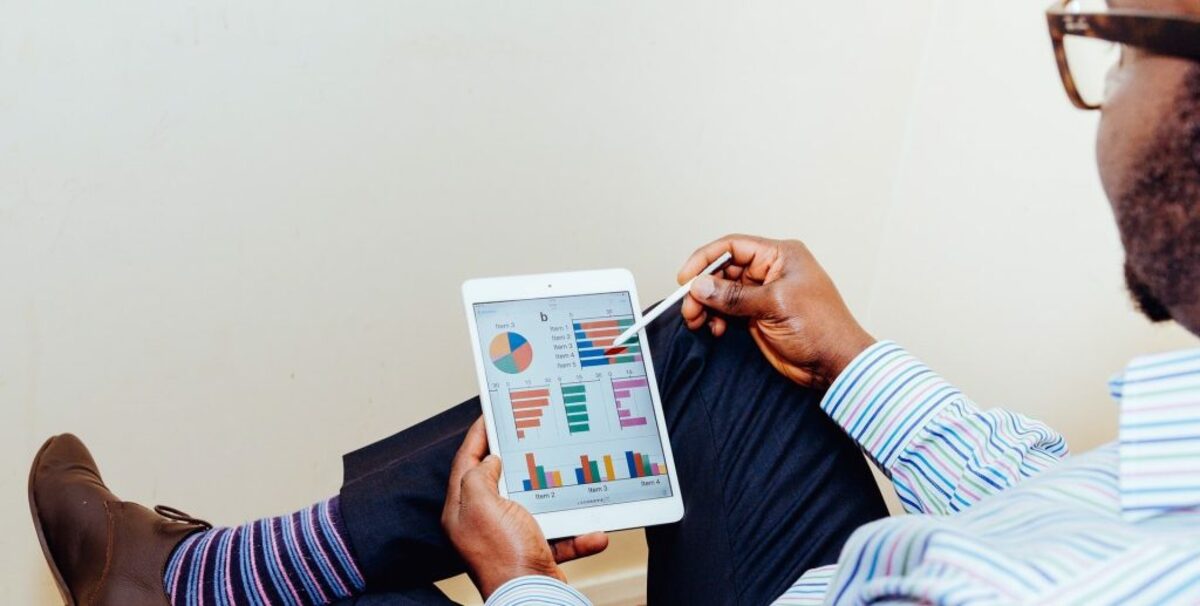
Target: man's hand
<point>497,537</point>
<point>796,315</point>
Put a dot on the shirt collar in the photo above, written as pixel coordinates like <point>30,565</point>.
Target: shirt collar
<point>1160,434</point>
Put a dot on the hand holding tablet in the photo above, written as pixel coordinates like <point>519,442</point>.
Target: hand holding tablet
<point>576,420</point>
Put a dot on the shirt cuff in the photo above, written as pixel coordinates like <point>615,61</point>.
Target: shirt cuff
<point>536,590</point>
<point>884,398</point>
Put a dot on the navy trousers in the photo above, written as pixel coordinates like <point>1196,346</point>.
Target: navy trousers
<point>771,487</point>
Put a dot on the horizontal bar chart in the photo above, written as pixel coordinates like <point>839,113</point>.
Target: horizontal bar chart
<point>594,340</point>
<point>623,394</point>
<point>575,405</point>
<point>528,407</point>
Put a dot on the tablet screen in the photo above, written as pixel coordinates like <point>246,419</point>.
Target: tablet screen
<point>574,417</point>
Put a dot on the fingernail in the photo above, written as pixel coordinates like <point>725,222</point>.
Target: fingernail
<point>492,456</point>
<point>704,287</point>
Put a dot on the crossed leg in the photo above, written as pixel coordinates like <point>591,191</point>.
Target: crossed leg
<point>771,486</point>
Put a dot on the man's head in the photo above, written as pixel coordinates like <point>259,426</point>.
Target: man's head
<point>1148,149</point>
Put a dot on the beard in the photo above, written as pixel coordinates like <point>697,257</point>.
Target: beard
<point>1159,217</point>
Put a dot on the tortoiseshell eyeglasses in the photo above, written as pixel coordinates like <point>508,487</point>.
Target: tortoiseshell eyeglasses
<point>1088,37</point>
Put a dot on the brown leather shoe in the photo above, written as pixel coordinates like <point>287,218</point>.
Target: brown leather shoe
<point>102,551</point>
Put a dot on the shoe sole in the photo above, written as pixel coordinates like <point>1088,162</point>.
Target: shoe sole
<point>68,599</point>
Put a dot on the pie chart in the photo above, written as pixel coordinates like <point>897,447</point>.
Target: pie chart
<point>511,352</point>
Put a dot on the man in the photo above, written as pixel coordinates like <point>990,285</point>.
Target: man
<point>1005,518</point>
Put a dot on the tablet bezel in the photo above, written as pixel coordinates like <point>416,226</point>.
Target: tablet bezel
<point>575,522</point>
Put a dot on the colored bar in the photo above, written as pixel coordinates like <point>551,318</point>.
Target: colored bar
<point>597,334</point>
<point>575,409</point>
<point>557,476</point>
<point>600,333</point>
<point>587,470</point>
<point>529,393</point>
<point>597,324</point>
<point>593,362</point>
<point>608,468</point>
<point>532,469</point>
<point>626,359</point>
<point>579,476</point>
<point>577,388</point>
<point>528,423</point>
<point>630,383</point>
<point>624,413</point>
<point>629,461</point>
<point>574,398</point>
<point>519,404</point>
<point>541,475</point>
<point>622,394</point>
<point>532,413</point>
<point>526,484</point>
<point>579,428</point>
<point>637,464</point>
<point>634,422</point>
<point>596,471</point>
<point>645,465</point>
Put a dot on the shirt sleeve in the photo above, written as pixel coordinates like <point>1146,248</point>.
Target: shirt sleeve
<point>809,589</point>
<point>941,452</point>
<point>535,590</point>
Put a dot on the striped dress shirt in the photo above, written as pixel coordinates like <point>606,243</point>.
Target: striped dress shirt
<point>998,513</point>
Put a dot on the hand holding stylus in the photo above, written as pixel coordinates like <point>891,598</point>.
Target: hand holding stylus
<point>795,312</point>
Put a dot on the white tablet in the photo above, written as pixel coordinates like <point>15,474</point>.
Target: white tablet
<point>578,424</point>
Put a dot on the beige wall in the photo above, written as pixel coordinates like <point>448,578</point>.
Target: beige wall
<point>231,234</point>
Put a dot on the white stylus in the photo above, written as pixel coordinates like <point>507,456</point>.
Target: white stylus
<point>666,303</point>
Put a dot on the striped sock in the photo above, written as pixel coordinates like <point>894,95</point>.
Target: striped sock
<point>302,559</point>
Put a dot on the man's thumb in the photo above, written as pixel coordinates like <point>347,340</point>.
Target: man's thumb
<point>490,466</point>
<point>731,297</point>
<point>483,478</point>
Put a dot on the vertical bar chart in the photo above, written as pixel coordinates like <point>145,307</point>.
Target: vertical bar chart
<point>528,407</point>
<point>591,472</point>
<point>575,403</point>
<point>539,478</point>
<point>594,339</point>
<point>640,466</point>
<point>623,390</point>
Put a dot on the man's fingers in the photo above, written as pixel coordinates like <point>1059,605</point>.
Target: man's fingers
<point>717,325</point>
<point>752,253</point>
<point>581,546</point>
<point>694,312</point>
<point>733,298</point>
<point>473,449</point>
